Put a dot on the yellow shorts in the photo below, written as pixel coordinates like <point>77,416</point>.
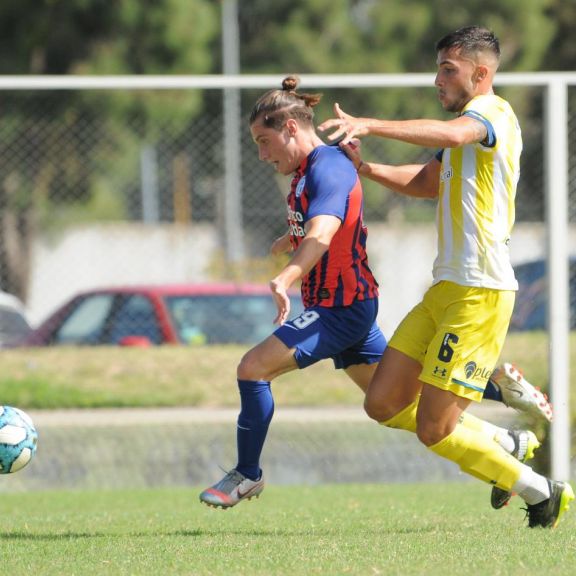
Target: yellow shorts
<point>456,333</point>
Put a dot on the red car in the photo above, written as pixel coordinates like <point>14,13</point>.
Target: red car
<point>167,314</point>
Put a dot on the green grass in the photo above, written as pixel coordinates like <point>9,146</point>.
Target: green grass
<point>195,376</point>
<point>330,529</point>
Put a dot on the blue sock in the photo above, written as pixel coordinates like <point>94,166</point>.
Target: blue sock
<point>492,392</point>
<point>257,408</point>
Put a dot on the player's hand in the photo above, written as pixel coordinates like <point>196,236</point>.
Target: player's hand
<point>281,300</point>
<point>346,127</point>
<point>352,150</point>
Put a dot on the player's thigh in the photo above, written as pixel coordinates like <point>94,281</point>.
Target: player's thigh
<point>413,335</point>
<point>267,360</point>
<point>361,374</point>
<point>394,386</point>
<point>396,381</point>
<point>469,339</point>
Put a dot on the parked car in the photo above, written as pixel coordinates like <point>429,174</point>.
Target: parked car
<point>14,326</point>
<point>167,314</point>
<point>530,311</point>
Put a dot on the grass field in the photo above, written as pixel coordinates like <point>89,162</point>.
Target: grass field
<point>391,529</point>
<point>326,530</point>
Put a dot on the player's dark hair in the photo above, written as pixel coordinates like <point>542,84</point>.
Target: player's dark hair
<point>470,40</point>
<point>277,106</point>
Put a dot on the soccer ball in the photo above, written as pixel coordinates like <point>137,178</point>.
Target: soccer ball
<point>18,439</point>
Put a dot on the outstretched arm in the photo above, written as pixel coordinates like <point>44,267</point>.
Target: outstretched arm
<point>429,133</point>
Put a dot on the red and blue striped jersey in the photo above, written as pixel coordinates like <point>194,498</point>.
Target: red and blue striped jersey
<point>327,184</point>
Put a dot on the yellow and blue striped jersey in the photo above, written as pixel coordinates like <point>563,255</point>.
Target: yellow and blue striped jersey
<point>475,211</point>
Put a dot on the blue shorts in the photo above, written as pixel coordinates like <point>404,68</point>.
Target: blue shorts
<point>347,334</point>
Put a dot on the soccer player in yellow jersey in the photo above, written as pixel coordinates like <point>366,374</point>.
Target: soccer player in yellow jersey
<point>442,354</point>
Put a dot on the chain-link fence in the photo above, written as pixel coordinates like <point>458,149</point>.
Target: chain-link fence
<point>82,171</point>
<point>101,187</point>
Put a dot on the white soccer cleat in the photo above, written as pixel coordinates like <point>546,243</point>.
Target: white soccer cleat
<point>519,394</point>
<point>233,488</point>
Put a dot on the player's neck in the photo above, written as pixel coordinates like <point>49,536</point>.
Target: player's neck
<point>308,141</point>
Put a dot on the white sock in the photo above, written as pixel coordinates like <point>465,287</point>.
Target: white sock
<point>531,487</point>
<point>498,434</point>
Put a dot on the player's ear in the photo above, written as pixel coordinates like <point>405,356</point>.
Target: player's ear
<point>292,126</point>
<point>481,73</point>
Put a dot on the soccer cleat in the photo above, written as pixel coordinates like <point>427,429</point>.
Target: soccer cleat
<point>547,514</point>
<point>233,488</point>
<point>519,394</point>
<point>525,444</point>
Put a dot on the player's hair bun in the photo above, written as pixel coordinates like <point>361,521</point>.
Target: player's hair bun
<point>290,83</point>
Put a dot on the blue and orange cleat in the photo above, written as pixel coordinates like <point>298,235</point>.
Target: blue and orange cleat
<point>233,488</point>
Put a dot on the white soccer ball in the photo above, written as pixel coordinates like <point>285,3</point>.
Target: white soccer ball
<point>18,439</point>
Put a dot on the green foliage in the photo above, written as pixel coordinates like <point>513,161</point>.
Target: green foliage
<point>299,36</point>
<point>98,37</point>
<point>157,38</point>
<point>364,36</point>
<point>52,147</point>
<point>101,37</point>
<point>561,54</point>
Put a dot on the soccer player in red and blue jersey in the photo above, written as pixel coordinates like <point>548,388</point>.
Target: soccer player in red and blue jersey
<point>327,238</point>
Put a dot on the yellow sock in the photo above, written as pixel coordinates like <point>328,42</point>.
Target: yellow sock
<point>479,456</point>
<point>475,423</point>
<point>405,419</point>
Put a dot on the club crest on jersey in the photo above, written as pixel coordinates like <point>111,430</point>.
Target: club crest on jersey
<point>300,187</point>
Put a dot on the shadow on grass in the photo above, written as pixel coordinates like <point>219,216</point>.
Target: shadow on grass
<point>58,536</point>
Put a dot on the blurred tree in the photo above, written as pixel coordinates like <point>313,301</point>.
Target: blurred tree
<point>561,53</point>
<point>51,144</point>
<point>56,155</point>
<point>368,36</point>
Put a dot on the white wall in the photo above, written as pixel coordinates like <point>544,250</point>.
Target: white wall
<point>112,254</point>
<point>401,257</point>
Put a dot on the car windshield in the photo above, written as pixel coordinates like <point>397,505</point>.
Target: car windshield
<point>225,319</point>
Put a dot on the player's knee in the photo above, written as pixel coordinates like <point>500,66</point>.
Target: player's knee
<point>430,433</point>
<point>378,411</point>
<point>253,367</point>
<point>249,368</point>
